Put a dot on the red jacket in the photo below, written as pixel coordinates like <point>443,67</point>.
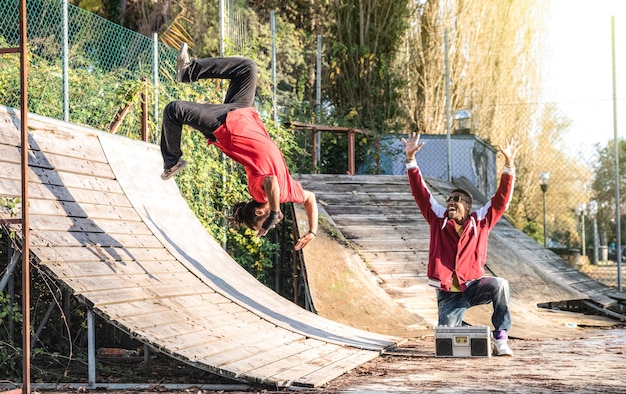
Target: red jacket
<point>465,254</point>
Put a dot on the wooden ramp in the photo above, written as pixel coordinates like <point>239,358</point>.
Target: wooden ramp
<point>126,243</point>
<point>381,221</point>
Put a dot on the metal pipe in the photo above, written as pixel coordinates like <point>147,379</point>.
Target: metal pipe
<point>66,49</point>
<point>447,82</point>
<point>222,28</point>
<point>318,100</point>
<point>545,222</point>
<point>43,322</point>
<point>25,212</point>
<point>5,279</point>
<point>137,386</point>
<point>155,83</point>
<point>91,348</point>
<point>274,98</point>
<point>618,226</point>
<point>144,110</point>
<point>605,311</point>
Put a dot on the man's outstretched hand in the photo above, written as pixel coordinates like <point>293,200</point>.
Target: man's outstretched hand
<point>509,150</point>
<point>304,240</point>
<point>412,146</point>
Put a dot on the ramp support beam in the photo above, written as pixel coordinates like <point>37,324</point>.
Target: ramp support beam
<point>91,348</point>
<point>7,275</point>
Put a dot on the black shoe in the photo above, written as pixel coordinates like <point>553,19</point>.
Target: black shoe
<point>175,169</point>
<point>182,61</point>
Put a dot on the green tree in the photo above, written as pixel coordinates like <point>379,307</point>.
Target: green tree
<point>362,80</point>
<point>604,189</point>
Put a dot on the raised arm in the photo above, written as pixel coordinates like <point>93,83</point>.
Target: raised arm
<point>272,191</point>
<point>310,205</point>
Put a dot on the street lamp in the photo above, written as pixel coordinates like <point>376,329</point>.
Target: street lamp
<point>544,177</point>
<point>593,213</point>
<point>462,121</point>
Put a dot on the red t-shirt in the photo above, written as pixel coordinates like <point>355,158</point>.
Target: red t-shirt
<point>244,139</point>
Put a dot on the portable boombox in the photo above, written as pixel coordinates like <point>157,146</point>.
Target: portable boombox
<point>462,342</point>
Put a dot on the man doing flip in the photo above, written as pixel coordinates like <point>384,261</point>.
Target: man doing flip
<point>236,129</point>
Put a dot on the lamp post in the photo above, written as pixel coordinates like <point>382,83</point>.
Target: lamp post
<point>544,177</point>
<point>581,210</point>
<point>593,213</point>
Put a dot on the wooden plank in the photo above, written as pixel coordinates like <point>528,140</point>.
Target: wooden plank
<point>214,328</point>
<point>208,346</point>
<point>264,358</point>
<point>59,141</point>
<point>117,242</point>
<point>10,187</point>
<point>9,133</point>
<point>233,349</point>
<point>100,298</point>
<point>103,268</point>
<point>176,302</point>
<point>248,325</point>
<point>69,164</point>
<point>214,317</point>
<point>87,225</point>
<point>147,280</point>
<point>282,371</point>
<point>50,177</point>
<point>83,210</point>
<point>53,139</point>
<point>336,368</point>
<point>77,255</point>
<point>250,348</point>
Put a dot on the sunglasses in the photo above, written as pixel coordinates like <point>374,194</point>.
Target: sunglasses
<point>454,198</point>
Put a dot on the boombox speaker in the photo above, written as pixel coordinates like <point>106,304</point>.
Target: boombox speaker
<point>462,342</point>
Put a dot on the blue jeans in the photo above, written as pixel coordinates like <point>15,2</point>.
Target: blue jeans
<point>452,306</point>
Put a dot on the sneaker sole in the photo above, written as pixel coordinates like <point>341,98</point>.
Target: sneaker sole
<point>174,171</point>
<point>179,73</point>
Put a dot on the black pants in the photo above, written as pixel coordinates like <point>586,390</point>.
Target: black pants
<point>206,118</point>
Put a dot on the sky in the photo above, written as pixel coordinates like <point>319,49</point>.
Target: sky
<point>578,74</point>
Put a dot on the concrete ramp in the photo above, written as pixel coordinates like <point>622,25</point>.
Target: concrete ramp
<point>126,243</point>
<point>382,224</point>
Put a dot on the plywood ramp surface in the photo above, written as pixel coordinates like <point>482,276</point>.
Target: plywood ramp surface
<point>126,243</point>
<point>378,217</point>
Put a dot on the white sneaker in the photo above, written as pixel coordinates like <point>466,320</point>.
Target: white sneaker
<point>182,61</point>
<point>175,169</point>
<point>502,348</point>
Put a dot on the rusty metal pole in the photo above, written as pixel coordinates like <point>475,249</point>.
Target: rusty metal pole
<point>25,217</point>
<point>351,165</point>
<point>315,148</point>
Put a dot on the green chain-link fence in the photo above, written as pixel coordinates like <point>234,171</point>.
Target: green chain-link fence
<point>108,72</point>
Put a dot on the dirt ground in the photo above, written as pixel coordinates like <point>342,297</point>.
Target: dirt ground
<point>595,362</point>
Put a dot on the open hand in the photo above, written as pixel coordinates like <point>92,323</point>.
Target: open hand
<point>509,150</point>
<point>412,145</point>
